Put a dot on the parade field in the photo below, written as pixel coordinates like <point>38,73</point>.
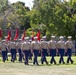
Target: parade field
<point>9,68</point>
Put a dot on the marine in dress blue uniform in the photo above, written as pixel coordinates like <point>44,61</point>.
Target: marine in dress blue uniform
<point>52,46</point>
<point>26,46</point>
<point>7,44</point>
<point>61,49</point>
<point>35,47</point>
<point>69,46</point>
<point>30,53</point>
<point>19,43</point>
<point>12,48</point>
<point>44,48</point>
<point>3,50</point>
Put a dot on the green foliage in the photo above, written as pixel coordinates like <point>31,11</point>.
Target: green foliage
<point>15,15</point>
<point>57,16</point>
<point>29,32</point>
<point>21,11</point>
<point>3,5</point>
<point>51,17</point>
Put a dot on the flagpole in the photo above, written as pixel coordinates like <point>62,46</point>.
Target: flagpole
<point>0,34</point>
<point>16,33</point>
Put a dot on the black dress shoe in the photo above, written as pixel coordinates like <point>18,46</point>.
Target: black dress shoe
<point>51,62</point>
<point>37,64</point>
<point>12,60</point>
<point>34,63</point>
<point>72,62</point>
<point>4,61</point>
<point>55,63</point>
<point>63,62</point>
<point>46,63</point>
<point>67,62</point>
<point>25,63</point>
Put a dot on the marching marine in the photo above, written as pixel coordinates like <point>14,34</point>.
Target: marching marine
<point>19,50</point>
<point>3,50</point>
<point>12,48</point>
<point>44,48</point>
<point>7,44</point>
<point>61,49</point>
<point>52,46</point>
<point>35,47</point>
<point>69,47</point>
<point>26,46</point>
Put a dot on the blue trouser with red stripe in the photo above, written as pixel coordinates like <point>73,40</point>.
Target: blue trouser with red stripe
<point>61,53</point>
<point>35,56</point>
<point>26,53</point>
<point>20,55</point>
<point>13,54</point>
<point>30,55</point>
<point>6,54</point>
<point>43,56</point>
<point>3,56</point>
<point>52,54</point>
<point>69,53</point>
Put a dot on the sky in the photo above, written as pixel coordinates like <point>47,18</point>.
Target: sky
<point>28,3</point>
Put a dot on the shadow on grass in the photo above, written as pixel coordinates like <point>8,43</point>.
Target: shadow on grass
<point>45,65</point>
<point>74,63</point>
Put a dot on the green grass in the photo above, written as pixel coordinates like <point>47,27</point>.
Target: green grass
<point>17,68</point>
